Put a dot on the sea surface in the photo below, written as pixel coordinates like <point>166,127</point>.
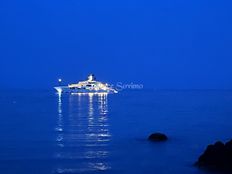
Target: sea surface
<point>42,132</point>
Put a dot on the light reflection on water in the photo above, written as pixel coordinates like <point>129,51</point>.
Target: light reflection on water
<point>75,134</point>
<point>83,134</point>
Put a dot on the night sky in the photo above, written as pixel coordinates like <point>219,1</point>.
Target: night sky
<point>163,44</point>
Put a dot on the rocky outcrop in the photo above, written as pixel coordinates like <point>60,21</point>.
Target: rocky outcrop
<point>157,137</point>
<point>217,156</point>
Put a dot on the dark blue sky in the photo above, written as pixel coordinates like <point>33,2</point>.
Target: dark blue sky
<point>160,43</point>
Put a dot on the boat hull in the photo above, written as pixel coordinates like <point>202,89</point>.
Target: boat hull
<point>66,89</point>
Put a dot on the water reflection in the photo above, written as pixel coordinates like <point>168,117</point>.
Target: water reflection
<point>83,134</point>
<point>59,127</point>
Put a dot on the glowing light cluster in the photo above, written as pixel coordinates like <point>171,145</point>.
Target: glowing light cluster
<point>88,86</point>
<point>90,93</point>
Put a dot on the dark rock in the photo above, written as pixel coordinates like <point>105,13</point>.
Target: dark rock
<point>158,137</point>
<point>217,156</point>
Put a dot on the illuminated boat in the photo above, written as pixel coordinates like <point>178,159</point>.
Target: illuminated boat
<point>86,87</point>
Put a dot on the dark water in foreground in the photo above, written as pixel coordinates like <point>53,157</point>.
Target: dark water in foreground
<point>41,132</point>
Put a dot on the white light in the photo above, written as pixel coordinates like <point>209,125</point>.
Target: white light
<point>59,80</point>
<point>89,93</point>
<point>59,90</point>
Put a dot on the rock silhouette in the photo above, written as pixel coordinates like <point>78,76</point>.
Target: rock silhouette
<point>157,137</point>
<point>217,156</point>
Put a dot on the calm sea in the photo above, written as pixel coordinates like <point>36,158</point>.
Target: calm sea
<point>42,132</point>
